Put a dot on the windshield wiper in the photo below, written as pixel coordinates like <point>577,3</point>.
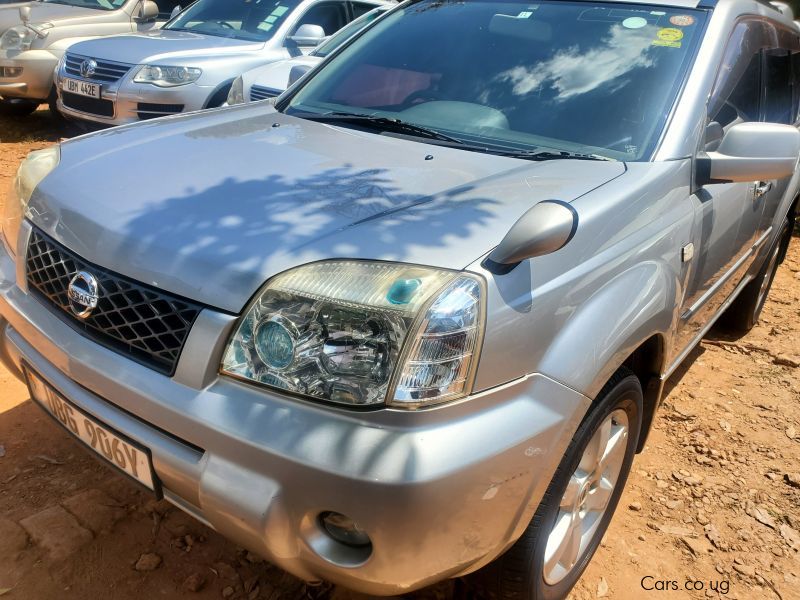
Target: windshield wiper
<point>384,123</point>
<point>549,155</point>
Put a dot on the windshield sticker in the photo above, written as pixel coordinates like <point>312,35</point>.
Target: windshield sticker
<point>634,22</point>
<point>525,15</point>
<point>280,11</point>
<point>669,34</point>
<point>682,20</point>
<point>660,13</point>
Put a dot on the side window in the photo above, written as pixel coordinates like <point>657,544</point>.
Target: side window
<point>737,93</point>
<point>778,88</point>
<point>331,16</point>
<point>360,8</point>
<point>165,7</point>
<point>795,60</point>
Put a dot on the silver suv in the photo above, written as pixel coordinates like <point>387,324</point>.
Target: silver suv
<point>414,321</point>
<point>191,62</point>
<point>34,36</point>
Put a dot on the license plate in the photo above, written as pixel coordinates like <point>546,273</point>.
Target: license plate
<point>121,452</point>
<point>81,88</point>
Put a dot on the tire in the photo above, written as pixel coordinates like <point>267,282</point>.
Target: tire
<point>743,314</point>
<point>13,107</point>
<point>521,573</point>
<point>52,104</point>
<point>219,97</point>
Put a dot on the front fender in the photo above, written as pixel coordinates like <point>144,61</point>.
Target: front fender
<point>627,311</point>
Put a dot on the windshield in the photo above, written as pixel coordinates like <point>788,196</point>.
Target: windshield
<point>344,34</point>
<point>569,76</point>
<point>95,4</point>
<point>252,20</point>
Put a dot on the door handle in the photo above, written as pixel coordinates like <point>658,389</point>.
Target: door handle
<point>761,188</point>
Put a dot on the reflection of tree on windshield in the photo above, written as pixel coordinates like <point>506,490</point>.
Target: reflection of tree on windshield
<point>571,72</point>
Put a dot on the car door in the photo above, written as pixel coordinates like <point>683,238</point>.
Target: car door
<point>727,215</point>
<point>781,99</point>
<point>331,15</point>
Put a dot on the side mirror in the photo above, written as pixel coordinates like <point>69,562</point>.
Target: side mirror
<point>751,152</point>
<point>25,14</point>
<point>148,11</point>
<point>297,72</point>
<point>545,228</point>
<point>308,35</point>
<point>175,11</point>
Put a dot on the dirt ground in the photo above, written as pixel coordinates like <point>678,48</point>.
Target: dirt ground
<point>712,505</point>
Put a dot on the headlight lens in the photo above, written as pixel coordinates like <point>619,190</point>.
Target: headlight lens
<point>363,334</point>
<point>236,95</point>
<point>167,76</point>
<point>17,38</point>
<point>31,172</point>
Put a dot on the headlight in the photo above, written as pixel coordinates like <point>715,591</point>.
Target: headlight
<point>167,76</point>
<point>31,172</point>
<point>363,334</point>
<point>236,95</point>
<point>17,38</point>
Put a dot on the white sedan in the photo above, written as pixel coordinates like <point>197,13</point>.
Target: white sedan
<point>269,81</point>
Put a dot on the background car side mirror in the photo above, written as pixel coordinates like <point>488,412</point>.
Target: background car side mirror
<point>148,11</point>
<point>751,152</point>
<point>175,11</point>
<point>308,35</point>
<point>25,14</point>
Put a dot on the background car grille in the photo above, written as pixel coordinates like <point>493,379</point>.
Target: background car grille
<point>136,320</point>
<point>92,106</point>
<point>106,72</point>
<point>150,111</point>
<point>259,92</point>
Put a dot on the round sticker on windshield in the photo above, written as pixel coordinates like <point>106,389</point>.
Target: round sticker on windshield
<point>634,22</point>
<point>682,20</point>
<point>670,34</point>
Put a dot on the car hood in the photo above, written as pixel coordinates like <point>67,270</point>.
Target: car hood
<point>42,12</point>
<point>163,45</point>
<point>209,206</point>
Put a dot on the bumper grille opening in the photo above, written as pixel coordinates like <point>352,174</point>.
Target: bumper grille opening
<point>138,321</point>
<point>92,106</point>
<point>259,92</point>
<point>151,111</point>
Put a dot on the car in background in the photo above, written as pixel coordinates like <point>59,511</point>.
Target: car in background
<point>192,61</point>
<point>269,81</point>
<point>34,36</point>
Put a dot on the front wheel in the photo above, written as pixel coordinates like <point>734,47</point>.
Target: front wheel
<point>16,107</point>
<point>549,558</point>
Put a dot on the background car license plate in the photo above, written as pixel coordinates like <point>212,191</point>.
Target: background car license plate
<point>82,88</point>
<point>120,452</point>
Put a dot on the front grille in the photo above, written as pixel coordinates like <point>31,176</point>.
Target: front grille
<point>136,320</point>
<point>106,71</point>
<point>259,92</point>
<point>151,111</point>
<point>84,104</point>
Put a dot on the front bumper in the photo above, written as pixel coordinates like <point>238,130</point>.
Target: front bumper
<point>440,492</point>
<point>123,102</point>
<point>36,80</point>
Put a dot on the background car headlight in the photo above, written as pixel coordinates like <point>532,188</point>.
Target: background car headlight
<point>236,95</point>
<point>17,38</point>
<point>167,76</point>
<point>31,172</point>
<point>362,333</point>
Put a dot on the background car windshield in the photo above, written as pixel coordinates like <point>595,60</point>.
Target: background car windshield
<point>341,36</point>
<point>96,4</point>
<point>255,20</point>
<point>581,77</point>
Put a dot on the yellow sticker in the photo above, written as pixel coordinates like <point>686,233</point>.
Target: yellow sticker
<point>669,34</point>
<point>666,44</point>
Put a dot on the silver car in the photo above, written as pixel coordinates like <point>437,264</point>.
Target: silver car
<point>34,36</point>
<point>269,81</point>
<point>413,321</point>
<point>191,62</point>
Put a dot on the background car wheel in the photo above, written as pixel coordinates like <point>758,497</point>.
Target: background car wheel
<point>13,107</point>
<point>52,104</point>
<point>549,558</point>
<point>745,311</point>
